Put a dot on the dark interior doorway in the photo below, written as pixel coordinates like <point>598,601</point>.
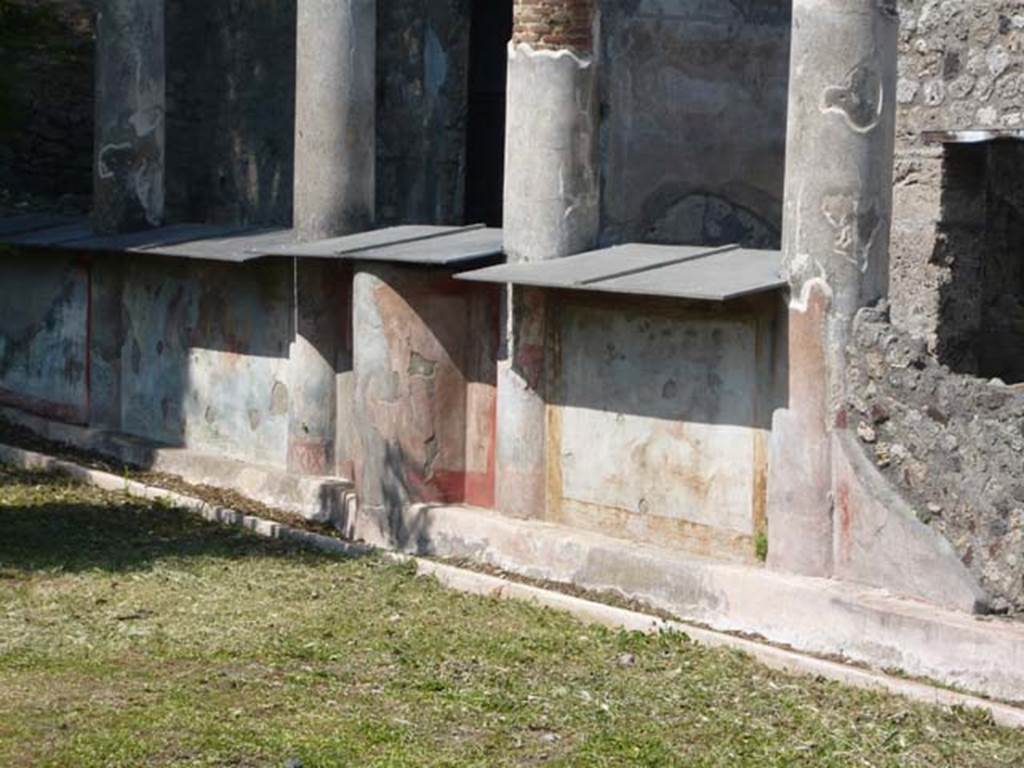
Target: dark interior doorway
<point>491,29</point>
<point>981,329</point>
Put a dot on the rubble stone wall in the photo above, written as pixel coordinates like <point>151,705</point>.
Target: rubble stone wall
<point>961,66</point>
<point>951,443</point>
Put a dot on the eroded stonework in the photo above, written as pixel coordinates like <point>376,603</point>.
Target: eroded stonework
<point>961,66</point>
<point>952,444</point>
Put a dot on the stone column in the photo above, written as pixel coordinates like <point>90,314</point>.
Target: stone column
<point>550,210</point>
<point>334,117</point>
<point>333,196</point>
<point>128,175</point>
<point>312,362</point>
<point>837,215</point>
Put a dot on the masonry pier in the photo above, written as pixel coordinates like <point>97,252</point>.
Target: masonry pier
<point>333,195</point>
<point>837,214</point>
<point>128,178</point>
<point>551,210</point>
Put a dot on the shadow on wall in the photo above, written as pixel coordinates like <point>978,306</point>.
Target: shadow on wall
<point>43,336</point>
<point>694,98</point>
<point>422,84</point>
<point>669,360</point>
<point>659,416</point>
<point>425,352</point>
<point>178,352</point>
<point>205,356</point>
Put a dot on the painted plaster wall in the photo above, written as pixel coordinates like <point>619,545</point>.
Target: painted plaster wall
<point>425,351</point>
<point>422,91</point>
<point>205,356</point>
<point>657,422</point>
<point>694,120</point>
<point>230,110</point>
<point>42,335</point>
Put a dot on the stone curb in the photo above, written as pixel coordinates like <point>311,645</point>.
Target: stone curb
<point>473,582</point>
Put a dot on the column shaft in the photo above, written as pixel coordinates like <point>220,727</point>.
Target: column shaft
<point>837,214</point>
<point>334,117</point>
<point>334,192</point>
<point>551,210</point>
<point>128,177</point>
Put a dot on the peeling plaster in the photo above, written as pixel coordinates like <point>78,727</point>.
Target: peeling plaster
<point>861,100</point>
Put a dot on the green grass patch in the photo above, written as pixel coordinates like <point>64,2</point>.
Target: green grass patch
<point>134,634</point>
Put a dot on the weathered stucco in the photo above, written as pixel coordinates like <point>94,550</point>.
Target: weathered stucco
<point>424,362</point>
<point>693,99</point>
<point>43,341</point>
<point>422,86</point>
<point>131,115</point>
<point>680,396</point>
<point>205,356</point>
<point>230,110</point>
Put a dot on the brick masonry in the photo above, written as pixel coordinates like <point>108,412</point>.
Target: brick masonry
<point>555,24</point>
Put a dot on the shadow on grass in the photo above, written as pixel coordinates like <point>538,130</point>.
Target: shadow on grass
<point>49,523</point>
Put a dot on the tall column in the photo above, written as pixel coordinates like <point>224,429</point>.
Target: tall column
<point>334,192</point>
<point>837,215</point>
<point>335,117</point>
<point>550,211</point>
<point>128,167</point>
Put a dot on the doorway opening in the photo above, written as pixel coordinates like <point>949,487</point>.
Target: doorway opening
<point>490,31</point>
<point>981,330</point>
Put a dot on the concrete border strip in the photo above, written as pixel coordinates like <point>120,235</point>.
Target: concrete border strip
<point>473,582</point>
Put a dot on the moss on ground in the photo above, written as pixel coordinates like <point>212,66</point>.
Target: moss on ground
<point>135,634</point>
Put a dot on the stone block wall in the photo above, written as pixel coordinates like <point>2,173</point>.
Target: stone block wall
<point>950,443</point>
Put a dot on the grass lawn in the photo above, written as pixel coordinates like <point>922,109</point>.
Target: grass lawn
<point>137,635</point>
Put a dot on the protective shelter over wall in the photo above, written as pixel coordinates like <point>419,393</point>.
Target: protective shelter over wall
<point>593,292</point>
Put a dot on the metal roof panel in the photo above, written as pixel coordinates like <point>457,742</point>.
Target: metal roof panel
<point>339,246</point>
<point>51,236</point>
<point>685,272</point>
<point>30,222</point>
<point>976,136</point>
<point>462,246</point>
